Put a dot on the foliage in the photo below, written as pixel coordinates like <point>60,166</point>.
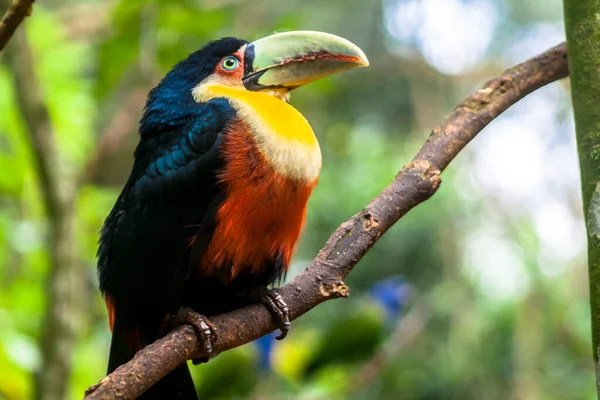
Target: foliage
<point>508,300</point>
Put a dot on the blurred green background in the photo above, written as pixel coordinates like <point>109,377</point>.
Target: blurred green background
<point>479,293</point>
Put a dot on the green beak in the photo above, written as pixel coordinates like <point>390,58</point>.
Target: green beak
<point>291,59</point>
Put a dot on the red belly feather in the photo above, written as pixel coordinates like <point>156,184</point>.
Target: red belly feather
<point>263,214</point>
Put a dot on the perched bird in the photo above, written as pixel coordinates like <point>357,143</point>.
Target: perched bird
<point>216,198</point>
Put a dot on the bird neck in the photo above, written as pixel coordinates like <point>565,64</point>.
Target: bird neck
<point>280,132</point>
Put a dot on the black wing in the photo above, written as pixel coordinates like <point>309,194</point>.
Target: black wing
<point>143,245</point>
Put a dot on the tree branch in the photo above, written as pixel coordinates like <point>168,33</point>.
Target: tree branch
<point>322,280</point>
<point>57,187</point>
<point>17,11</point>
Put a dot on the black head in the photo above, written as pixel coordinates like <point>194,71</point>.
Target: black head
<point>200,64</point>
<point>172,97</point>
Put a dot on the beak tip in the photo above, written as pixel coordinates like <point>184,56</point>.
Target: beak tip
<point>360,58</point>
<point>363,62</point>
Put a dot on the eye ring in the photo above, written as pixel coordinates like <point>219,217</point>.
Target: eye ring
<point>230,63</point>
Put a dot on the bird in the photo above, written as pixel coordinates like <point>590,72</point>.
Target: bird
<point>215,203</point>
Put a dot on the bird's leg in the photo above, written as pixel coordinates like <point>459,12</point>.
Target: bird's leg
<point>271,299</point>
<point>203,327</point>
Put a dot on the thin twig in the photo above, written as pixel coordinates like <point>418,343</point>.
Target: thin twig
<point>17,11</point>
<point>322,280</point>
<point>118,130</point>
<point>407,331</point>
<point>125,120</point>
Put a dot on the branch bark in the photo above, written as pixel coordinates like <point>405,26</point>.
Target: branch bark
<point>322,280</point>
<point>58,190</point>
<point>583,34</point>
<point>17,11</point>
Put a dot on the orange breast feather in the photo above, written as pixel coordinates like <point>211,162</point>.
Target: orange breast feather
<point>263,214</point>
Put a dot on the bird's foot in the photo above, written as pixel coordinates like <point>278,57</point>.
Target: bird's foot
<point>271,299</point>
<point>203,327</point>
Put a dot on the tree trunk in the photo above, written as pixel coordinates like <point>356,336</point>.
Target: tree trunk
<point>583,41</point>
<point>65,280</point>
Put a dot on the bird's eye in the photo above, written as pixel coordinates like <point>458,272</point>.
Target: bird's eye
<point>230,63</point>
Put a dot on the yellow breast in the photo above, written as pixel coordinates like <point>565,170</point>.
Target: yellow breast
<point>281,133</point>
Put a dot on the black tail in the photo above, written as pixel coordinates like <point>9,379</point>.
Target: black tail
<point>178,384</point>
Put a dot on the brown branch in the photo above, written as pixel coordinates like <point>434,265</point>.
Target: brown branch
<point>57,187</point>
<point>322,280</point>
<point>17,11</point>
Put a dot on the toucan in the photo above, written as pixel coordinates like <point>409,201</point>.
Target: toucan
<point>216,200</point>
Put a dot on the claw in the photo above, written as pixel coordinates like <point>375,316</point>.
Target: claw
<point>271,299</point>
<point>203,327</point>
